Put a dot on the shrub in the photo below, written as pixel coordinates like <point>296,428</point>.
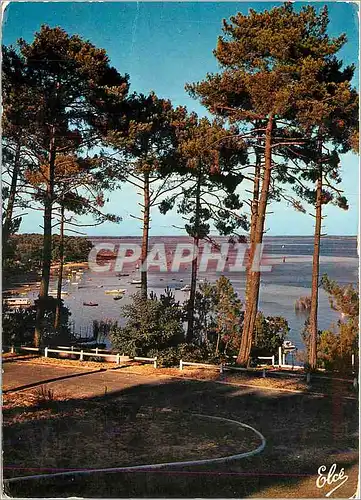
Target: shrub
<point>44,396</point>
<point>269,334</point>
<point>153,325</point>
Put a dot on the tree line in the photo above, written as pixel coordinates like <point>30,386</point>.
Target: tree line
<point>24,251</point>
<point>282,106</point>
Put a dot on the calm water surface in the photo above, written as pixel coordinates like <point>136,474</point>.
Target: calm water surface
<point>280,288</point>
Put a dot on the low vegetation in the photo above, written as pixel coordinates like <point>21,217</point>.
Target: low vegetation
<point>154,327</point>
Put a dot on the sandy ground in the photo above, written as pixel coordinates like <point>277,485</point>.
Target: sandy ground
<point>303,432</point>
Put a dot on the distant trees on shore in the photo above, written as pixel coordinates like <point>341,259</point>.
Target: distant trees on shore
<point>27,250</point>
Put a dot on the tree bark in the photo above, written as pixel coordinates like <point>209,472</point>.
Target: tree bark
<point>12,194</point>
<point>145,237</point>
<point>313,326</point>
<point>61,269</point>
<point>254,215</point>
<point>45,276</point>
<point>254,276</point>
<point>194,272</point>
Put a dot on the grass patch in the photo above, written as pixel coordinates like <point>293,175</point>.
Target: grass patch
<point>99,434</point>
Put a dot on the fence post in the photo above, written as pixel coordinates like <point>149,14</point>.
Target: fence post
<point>283,358</point>
<point>118,359</point>
<point>181,365</point>
<point>155,362</point>
<point>279,356</point>
<point>353,361</point>
<point>221,368</point>
<point>354,383</point>
<point>263,373</point>
<point>273,360</point>
<point>12,350</point>
<point>72,348</point>
<point>46,352</point>
<point>81,355</point>
<point>96,350</point>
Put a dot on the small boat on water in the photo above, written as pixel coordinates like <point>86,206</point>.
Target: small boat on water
<point>120,275</point>
<point>288,345</point>
<point>186,288</point>
<point>90,304</point>
<point>54,293</point>
<point>136,282</point>
<point>118,297</point>
<point>117,291</point>
<point>17,302</point>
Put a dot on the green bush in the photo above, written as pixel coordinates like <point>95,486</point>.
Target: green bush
<point>153,325</point>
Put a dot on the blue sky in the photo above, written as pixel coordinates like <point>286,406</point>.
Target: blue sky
<point>162,46</point>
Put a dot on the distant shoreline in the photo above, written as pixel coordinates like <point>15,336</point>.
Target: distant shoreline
<point>90,236</point>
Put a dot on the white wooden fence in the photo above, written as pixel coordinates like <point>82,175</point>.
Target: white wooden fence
<point>221,367</point>
<point>116,357</point>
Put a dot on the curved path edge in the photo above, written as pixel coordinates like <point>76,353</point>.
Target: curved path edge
<point>160,465</point>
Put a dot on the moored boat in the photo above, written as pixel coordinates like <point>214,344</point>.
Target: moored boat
<point>288,345</point>
<point>54,293</point>
<point>17,302</point>
<point>117,291</point>
<point>90,304</point>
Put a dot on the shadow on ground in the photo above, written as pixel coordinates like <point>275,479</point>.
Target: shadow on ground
<point>302,433</point>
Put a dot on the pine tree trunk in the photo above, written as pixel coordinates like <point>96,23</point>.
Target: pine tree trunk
<point>194,272</point>
<point>61,269</point>
<point>218,340</point>
<point>254,276</point>
<point>192,294</point>
<point>313,327</point>
<point>12,194</point>
<point>145,237</point>
<point>254,215</point>
<point>45,277</point>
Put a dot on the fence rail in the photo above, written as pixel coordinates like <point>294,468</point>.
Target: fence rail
<point>201,365</point>
<point>117,357</point>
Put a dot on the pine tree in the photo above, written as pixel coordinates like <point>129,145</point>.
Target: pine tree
<point>145,154</point>
<point>272,62</point>
<point>16,115</point>
<point>211,160</point>
<point>72,87</point>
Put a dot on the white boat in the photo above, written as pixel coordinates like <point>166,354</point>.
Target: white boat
<point>287,344</point>
<point>116,291</point>
<point>136,282</point>
<point>17,302</point>
<point>186,288</point>
<point>54,293</point>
